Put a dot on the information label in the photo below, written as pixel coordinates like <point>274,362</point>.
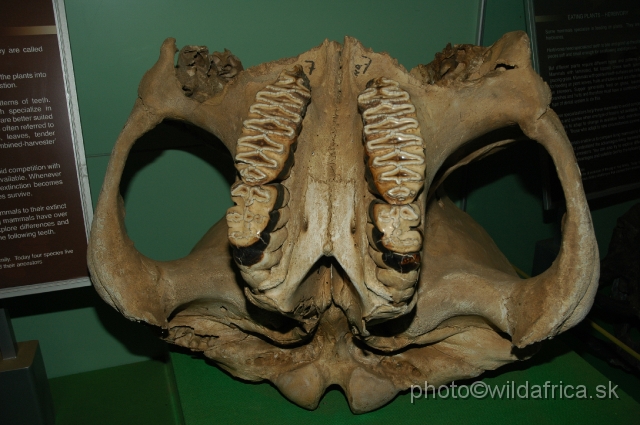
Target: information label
<point>44,198</point>
<point>589,54</point>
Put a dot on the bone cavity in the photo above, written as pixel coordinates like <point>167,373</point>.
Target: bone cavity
<point>393,142</point>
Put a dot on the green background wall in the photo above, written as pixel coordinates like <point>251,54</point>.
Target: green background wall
<point>177,178</point>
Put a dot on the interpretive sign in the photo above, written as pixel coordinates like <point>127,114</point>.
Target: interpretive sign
<point>589,53</point>
<point>45,207</point>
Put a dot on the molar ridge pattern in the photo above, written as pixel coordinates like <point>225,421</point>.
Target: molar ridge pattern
<point>394,146</point>
<point>257,221</point>
<point>396,159</point>
<point>273,125</point>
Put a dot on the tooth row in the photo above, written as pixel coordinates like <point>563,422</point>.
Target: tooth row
<point>263,154</point>
<point>396,159</point>
<point>394,245</point>
<point>273,125</point>
<point>394,147</point>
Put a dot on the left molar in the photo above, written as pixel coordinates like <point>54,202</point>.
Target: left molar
<point>256,221</point>
<point>263,151</point>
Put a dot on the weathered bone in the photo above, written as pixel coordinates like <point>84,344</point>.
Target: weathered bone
<point>227,64</point>
<point>197,73</point>
<point>322,292</point>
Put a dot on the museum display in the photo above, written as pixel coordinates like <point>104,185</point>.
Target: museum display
<point>343,262</point>
<point>45,201</point>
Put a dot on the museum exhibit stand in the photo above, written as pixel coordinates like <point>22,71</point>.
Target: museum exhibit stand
<point>189,390</point>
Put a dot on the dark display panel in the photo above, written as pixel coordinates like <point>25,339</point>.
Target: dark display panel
<point>589,54</point>
<point>42,224</point>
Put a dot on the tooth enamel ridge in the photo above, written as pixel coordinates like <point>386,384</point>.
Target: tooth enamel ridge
<point>256,222</point>
<point>397,224</point>
<point>393,143</point>
<point>273,125</point>
<point>396,159</point>
<point>251,214</point>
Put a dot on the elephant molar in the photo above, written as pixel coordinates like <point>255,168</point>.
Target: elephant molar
<point>256,228</point>
<point>401,286</point>
<point>395,247</point>
<point>397,163</point>
<point>272,127</point>
<point>227,64</point>
<point>262,255</point>
<point>392,140</point>
<point>397,225</point>
<point>401,263</point>
<point>255,213</point>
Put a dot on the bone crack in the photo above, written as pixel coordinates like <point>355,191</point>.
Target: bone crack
<point>393,143</point>
<point>272,126</point>
<point>198,71</point>
<point>227,64</point>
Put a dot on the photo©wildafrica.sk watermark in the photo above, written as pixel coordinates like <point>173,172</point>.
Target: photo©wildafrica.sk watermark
<point>513,391</point>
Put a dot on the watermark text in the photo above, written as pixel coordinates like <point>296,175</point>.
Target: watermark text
<point>512,390</point>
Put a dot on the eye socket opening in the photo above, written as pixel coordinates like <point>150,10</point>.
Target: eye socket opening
<point>176,185</point>
<point>502,190</point>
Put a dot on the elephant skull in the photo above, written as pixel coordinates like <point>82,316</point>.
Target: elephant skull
<point>340,262</point>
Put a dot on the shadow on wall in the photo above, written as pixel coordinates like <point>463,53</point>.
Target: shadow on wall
<point>138,339</point>
<point>520,158</point>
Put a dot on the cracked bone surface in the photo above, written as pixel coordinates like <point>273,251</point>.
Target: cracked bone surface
<point>335,271</point>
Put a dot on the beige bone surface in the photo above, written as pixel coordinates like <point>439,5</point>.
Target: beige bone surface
<point>321,307</point>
